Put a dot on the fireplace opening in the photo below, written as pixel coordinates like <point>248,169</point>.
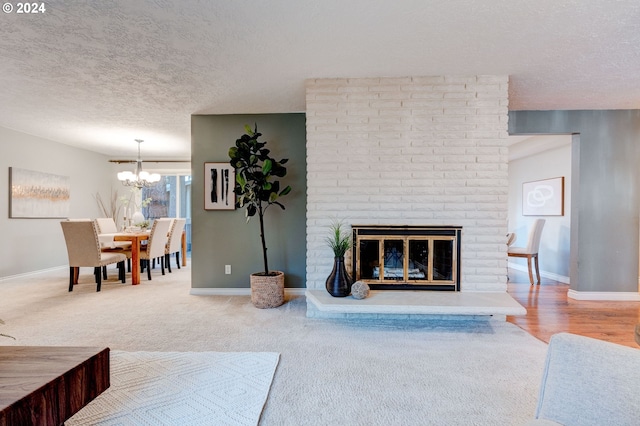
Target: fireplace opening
<point>397,257</point>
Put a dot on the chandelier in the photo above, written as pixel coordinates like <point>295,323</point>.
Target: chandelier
<point>140,178</point>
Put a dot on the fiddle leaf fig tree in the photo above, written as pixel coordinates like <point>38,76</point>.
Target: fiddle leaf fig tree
<point>256,185</point>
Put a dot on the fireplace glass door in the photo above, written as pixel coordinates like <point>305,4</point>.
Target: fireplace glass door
<point>406,260</point>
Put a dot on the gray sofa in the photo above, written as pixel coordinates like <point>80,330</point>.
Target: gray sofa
<point>589,382</point>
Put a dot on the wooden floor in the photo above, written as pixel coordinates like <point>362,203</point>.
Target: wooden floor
<point>550,311</point>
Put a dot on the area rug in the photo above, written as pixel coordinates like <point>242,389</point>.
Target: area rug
<point>183,388</point>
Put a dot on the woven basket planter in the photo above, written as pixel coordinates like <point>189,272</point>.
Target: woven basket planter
<point>267,291</point>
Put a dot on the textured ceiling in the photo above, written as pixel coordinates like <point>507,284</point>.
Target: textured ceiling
<point>98,74</point>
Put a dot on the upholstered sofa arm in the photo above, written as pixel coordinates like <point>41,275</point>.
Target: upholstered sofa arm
<point>589,382</point>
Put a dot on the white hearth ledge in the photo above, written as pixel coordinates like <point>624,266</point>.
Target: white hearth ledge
<point>413,303</point>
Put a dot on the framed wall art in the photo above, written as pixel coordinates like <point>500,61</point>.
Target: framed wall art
<point>219,180</point>
<point>543,197</point>
<point>37,195</point>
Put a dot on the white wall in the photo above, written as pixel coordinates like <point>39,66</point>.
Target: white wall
<point>35,244</point>
<point>554,244</point>
<point>414,151</point>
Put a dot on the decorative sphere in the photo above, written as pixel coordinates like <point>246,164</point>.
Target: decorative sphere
<point>359,290</point>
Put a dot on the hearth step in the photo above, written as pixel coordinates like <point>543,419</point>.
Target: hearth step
<point>418,304</point>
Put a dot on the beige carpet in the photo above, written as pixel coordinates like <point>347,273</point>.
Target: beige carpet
<point>182,388</point>
<point>330,372</point>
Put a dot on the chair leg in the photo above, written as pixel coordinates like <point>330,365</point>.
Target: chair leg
<point>530,273</point>
<point>129,265</point>
<point>167,261</point>
<point>72,275</point>
<point>178,259</point>
<point>121,270</point>
<point>98,280</point>
<point>104,272</point>
<point>148,262</point>
<point>162,264</point>
<point>537,267</point>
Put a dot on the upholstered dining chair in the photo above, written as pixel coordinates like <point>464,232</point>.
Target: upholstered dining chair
<point>531,250</point>
<point>106,228</point>
<point>175,242</point>
<point>157,244</point>
<point>106,225</point>
<point>83,250</point>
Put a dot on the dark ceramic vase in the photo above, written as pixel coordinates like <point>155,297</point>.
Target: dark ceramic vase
<point>339,281</point>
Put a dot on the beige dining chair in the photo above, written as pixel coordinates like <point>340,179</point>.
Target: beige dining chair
<point>175,242</point>
<point>531,250</point>
<point>106,228</point>
<point>106,225</point>
<point>157,245</point>
<point>83,250</point>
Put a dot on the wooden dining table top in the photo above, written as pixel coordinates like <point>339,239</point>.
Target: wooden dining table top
<point>136,238</point>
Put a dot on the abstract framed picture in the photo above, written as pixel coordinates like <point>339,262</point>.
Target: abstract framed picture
<point>543,197</point>
<point>219,180</point>
<point>37,195</point>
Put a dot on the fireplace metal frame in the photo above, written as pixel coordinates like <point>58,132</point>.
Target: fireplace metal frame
<point>420,232</point>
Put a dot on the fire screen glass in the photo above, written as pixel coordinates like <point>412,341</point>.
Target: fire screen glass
<point>369,259</point>
<point>393,260</point>
<point>442,260</point>
<point>418,260</point>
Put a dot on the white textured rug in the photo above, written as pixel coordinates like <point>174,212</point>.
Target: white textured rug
<point>183,388</point>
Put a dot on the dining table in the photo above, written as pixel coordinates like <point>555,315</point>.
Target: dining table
<point>136,238</point>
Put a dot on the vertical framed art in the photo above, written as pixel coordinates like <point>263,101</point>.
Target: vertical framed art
<point>543,197</point>
<point>219,180</point>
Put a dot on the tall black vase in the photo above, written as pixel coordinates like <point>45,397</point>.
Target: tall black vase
<point>339,281</point>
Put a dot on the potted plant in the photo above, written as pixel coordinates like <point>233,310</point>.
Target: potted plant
<point>339,282</point>
<point>258,189</point>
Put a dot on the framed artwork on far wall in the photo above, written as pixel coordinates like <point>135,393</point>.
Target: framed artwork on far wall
<point>543,197</point>
<point>219,180</point>
<point>38,195</point>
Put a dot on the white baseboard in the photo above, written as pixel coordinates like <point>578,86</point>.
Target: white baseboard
<point>619,296</point>
<point>32,273</point>
<point>550,275</point>
<point>239,291</point>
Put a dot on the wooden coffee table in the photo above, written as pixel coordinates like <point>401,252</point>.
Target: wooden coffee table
<point>46,385</point>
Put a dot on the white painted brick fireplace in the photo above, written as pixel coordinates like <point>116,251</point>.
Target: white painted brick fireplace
<point>410,151</point>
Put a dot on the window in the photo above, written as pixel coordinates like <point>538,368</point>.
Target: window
<point>170,197</point>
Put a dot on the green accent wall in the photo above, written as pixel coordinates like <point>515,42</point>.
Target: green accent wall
<point>224,237</point>
<point>605,192</point>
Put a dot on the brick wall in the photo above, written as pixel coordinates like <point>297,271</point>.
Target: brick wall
<point>410,151</point>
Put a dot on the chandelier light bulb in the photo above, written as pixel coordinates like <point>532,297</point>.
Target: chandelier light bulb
<point>141,178</point>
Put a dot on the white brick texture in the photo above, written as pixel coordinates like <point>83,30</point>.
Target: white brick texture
<point>410,151</point>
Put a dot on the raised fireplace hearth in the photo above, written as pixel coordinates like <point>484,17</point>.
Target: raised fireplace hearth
<point>407,257</point>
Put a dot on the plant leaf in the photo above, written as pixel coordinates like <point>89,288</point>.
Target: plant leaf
<point>266,166</point>
<point>285,191</point>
